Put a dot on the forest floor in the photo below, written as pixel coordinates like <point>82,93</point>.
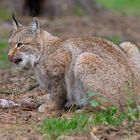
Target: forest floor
<point>22,123</point>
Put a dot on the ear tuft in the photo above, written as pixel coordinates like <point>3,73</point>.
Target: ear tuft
<point>35,27</point>
<point>15,22</point>
<point>16,25</point>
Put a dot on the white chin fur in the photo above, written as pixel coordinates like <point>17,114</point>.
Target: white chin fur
<point>27,61</point>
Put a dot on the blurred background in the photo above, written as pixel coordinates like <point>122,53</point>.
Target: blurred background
<point>115,20</point>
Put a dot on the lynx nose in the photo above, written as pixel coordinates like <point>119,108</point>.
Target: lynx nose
<point>10,58</point>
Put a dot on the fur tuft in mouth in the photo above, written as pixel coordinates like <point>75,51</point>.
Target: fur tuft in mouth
<point>17,61</point>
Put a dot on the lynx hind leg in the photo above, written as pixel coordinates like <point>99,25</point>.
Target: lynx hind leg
<point>86,67</point>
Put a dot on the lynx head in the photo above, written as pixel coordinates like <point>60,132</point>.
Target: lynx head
<point>25,44</point>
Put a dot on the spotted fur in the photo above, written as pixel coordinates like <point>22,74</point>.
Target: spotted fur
<point>69,69</point>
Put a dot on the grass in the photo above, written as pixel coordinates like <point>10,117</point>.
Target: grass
<point>127,7</point>
<point>83,123</point>
<point>79,125</point>
<point>54,127</point>
<point>4,63</point>
<point>109,117</point>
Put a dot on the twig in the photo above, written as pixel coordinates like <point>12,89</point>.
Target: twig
<point>3,91</point>
<point>31,87</point>
<point>93,136</point>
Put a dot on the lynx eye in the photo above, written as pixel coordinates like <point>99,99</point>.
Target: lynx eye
<point>19,45</point>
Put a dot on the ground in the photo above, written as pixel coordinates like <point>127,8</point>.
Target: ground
<point>21,123</point>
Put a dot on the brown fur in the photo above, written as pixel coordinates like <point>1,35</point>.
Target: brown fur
<point>68,69</point>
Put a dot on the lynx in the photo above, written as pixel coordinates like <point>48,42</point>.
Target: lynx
<point>69,69</point>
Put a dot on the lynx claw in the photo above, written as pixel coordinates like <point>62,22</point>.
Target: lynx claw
<point>69,105</point>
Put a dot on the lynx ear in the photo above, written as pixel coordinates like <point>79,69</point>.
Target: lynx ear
<point>35,27</point>
<point>16,25</point>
